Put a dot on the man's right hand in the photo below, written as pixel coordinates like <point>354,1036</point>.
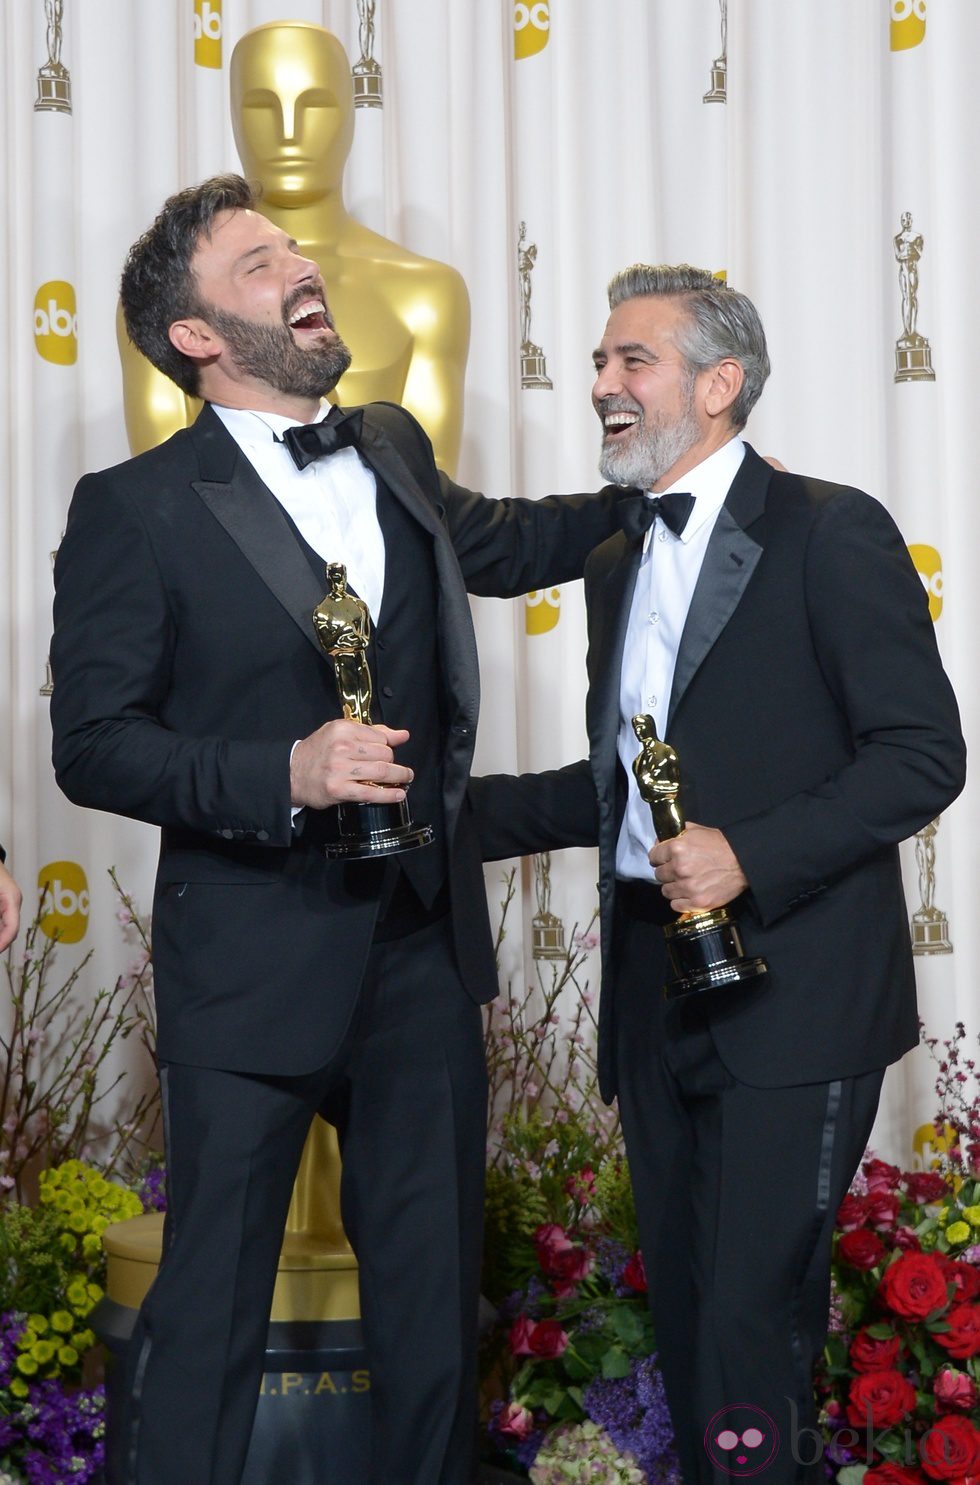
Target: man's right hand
<point>343,762</point>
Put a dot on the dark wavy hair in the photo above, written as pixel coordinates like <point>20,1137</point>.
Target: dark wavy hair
<point>158,285</point>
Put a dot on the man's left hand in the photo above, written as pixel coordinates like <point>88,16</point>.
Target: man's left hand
<point>697,870</point>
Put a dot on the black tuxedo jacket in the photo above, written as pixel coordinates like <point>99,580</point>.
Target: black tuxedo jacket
<point>816,728</point>
<point>186,667</point>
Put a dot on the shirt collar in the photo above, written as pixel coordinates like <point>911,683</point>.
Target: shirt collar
<point>265,427</point>
<point>709,482</point>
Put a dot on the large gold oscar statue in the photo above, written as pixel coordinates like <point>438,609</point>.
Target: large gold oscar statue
<point>406,318</point>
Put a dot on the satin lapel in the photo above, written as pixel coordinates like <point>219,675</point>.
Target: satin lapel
<point>254,520</point>
<point>610,598</point>
<point>729,563</point>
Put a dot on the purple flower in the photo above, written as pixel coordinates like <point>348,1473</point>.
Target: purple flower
<point>152,1189</point>
<point>633,1411</point>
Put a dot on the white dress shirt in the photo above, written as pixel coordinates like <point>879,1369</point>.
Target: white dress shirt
<point>333,502</point>
<point>665,583</point>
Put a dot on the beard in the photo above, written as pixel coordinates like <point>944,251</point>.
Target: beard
<point>654,446</point>
<point>270,353</point>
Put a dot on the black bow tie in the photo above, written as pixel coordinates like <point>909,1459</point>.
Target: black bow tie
<point>637,513</point>
<point>309,441</point>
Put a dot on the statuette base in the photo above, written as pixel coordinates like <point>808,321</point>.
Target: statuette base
<point>376,830</point>
<point>706,953</point>
<point>53,88</point>
<point>930,932</point>
<point>913,359</point>
<point>367,83</point>
<point>718,92</point>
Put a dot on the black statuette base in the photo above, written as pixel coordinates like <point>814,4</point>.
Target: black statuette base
<point>706,953</point>
<point>376,830</point>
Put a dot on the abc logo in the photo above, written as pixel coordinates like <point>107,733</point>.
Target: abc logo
<point>542,610</point>
<point>929,566</point>
<point>908,24</point>
<point>531,26</point>
<point>207,33</point>
<point>56,323</point>
<point>64,901</point>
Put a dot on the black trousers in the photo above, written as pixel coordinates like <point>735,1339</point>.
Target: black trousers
<point>407,1091</point>
<point>736,1192</point>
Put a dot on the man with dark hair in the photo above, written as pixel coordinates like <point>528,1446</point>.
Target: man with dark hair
<point>774,628</point>
<point>192,692</point>
<point>10,901</point>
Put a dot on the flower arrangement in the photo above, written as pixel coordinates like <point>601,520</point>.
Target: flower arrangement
<point>571,1356</point>
<point>900,1385</point>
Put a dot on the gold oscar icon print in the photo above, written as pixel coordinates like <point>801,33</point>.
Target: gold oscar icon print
<point>532,25</point>
<point>718,92</point>
<point>913,354</point>
<point>534,370</point>
<point>542,610</point>
<point>908,24</point>
<point>53,77</point>
<point>48,687</point>
<point>929,565</point>
<point>366,71</point>
<point>930,927</point>
<point>547,930</point>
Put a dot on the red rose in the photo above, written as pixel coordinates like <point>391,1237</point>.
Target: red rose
<point>871,1355</point>
<point>962,1339</point>
<point>925,1185</point>
<point>881,1176</point>
<point>966,1277</point>
<point>879,1399</point>
<point>544,1338</point>
<point>914,1286</point>
<point>894,1474</point>
<point>861,1249</point>
<point>635,1273</point>
<point>954,1391</point>
<point>581,1186</point>
<point>883,1209</point>
<point>907,1240</point>
<point>549,1238</point>
<point>566,1269</point>
<point>950,1449</point>
<point>850,1213</point>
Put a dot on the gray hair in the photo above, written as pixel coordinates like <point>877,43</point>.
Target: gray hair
<point>720,322</point>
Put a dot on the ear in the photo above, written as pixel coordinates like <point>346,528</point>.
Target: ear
<point>724,384</point>
<point>195,339</point>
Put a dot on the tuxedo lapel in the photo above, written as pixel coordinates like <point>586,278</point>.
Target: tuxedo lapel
<point>610,597</point>
<point>729,562</point>
<point>255,521</point>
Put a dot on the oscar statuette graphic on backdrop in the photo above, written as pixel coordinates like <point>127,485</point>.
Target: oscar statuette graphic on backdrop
<point>366,72</point>
<point>547,930</point>
<point>913,354</point>
<point>534,370</point>
<point>718,92</point>
<point>53,77</point>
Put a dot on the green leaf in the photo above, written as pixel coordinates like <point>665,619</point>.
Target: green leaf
<point>615,1364</point>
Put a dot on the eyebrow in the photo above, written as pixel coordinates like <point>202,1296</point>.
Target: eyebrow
<point>263,247</point>
<point>627,348</point>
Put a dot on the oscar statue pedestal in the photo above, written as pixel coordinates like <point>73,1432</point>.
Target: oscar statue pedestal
<point>313,1417</point>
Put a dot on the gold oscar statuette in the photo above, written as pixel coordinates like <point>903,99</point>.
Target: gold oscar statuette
<point>913,353</point>
<point>366,72</point>
<point>343,627</point>
<point>547,930</point>
<point>53,77</point>
<point>718,92</point>
<point>705,947</point>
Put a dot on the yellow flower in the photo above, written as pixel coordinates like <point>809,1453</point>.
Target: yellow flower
<point>42,1351</point>
<point>77,1295</point>
<point>958,1232</point>
<point>18,1387</point>
<point>38,1323</point>
<point>78,1222</point>
<point>83,1339</point>
<point>94,1293</point>
<point>67,1355</point>
<point>26,1365</point>
<point>972,1215</point>
<point>62,1321</point>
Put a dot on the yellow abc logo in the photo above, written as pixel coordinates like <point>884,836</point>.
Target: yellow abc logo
<point>56,322</point>
<point>908,25</point>
<point>64,901</point>
<point>542,610</point>
<point>531,26</point>
<point>929,1145</point>
<point>929,566</point>
<point>207,33</point>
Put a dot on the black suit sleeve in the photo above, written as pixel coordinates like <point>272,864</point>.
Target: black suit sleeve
<point>877,651</point>
<point>112,658</point>
<point>520,814</point>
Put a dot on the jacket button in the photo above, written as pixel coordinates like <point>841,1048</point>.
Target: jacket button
<point>262,835</point>
<point>228,834</point>
<point>387,691</point>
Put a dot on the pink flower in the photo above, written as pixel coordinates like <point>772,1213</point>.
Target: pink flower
<point>925,1185</point>
<point>515,1422</point>
<point>850,1215</point>
<point>581,1186</point>
<point>881,1176</point>
<point>907,1240</point>
<point>882,1212</point>
<point>954,1391</point>
<point>635,1274</point>
<point>544,1339</point>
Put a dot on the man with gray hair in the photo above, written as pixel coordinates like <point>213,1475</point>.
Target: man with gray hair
<point>775,630</point>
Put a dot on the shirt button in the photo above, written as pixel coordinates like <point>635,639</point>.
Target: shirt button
<point>663,536</point>
<point>651,701</point>
<point>654,617</point>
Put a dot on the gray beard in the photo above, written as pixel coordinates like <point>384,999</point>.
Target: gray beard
<point>652,451</point>
<point>270,353</point>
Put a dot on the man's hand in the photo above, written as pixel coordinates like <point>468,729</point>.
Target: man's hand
<point>697,869</point>
<point>343,762</point>
<point>10,901</point>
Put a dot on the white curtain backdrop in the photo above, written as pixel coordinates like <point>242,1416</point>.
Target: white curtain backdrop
<point>586,122</point>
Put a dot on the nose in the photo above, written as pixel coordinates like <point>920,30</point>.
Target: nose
<point>608,382</point>
<point>291,117</point>
<point>303,269</point>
